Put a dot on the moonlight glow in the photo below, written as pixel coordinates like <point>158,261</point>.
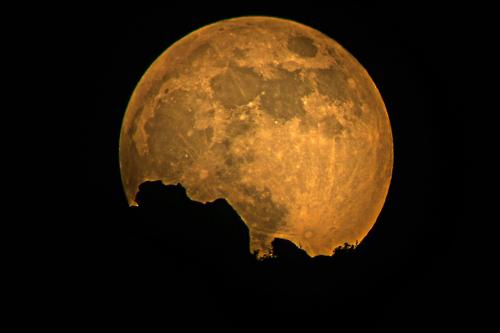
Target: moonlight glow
<point>271,115</point>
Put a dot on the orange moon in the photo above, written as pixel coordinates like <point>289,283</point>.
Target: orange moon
<point>273,116</point>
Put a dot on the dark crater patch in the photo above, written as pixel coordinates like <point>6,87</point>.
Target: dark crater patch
<point>236,160</point>
<point>271,214</point>
<point>333,52</point>
<point>332,82</point>
<point>282,96</point>
<point>227,173</point>
<point>237,86</point>
<point>302,46</point>
<point>236,128</point>
<point>229,163</point>
<point>331,127</point>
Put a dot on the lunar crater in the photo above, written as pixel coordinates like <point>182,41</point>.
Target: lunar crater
<point>302,46</point>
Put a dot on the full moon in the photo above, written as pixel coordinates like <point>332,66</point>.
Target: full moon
<point>275,117</point>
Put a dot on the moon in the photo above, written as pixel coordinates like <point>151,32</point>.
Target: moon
<point>275,117</point>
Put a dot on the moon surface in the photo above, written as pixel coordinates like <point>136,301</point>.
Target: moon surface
<point>273,116</point>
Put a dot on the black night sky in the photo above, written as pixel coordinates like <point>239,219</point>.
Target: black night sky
<point>404,275</point>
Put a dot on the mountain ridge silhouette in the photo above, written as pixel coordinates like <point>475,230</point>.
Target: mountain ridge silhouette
<point>173,251</point>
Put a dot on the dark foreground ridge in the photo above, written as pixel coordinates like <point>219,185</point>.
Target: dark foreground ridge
<point>204,232</point>
<point>179,259</point>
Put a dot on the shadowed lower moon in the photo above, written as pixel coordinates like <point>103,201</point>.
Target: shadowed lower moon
<point>273,116</point>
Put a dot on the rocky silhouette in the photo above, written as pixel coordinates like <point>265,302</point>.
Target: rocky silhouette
<point>178,258</point>
<point>192,230</point>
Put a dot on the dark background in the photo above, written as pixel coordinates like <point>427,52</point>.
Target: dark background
<point>415,271</point>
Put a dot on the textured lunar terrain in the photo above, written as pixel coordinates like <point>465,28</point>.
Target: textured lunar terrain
<point>273,116</point>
